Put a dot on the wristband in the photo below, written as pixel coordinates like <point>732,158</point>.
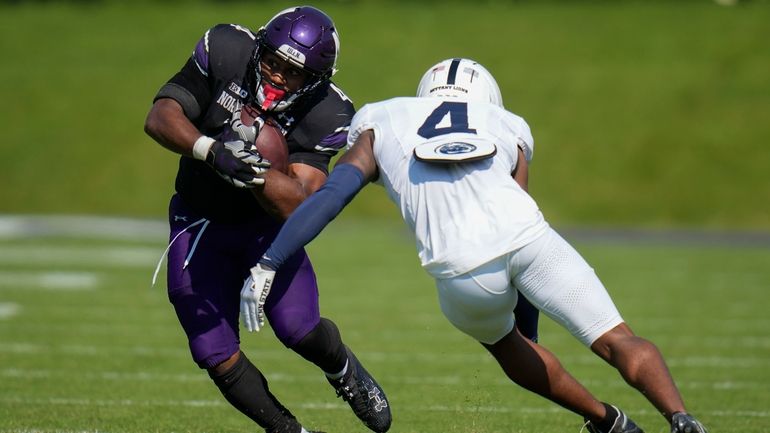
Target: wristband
<point>202,146</point>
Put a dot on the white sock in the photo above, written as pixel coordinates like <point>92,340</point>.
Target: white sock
<point>336,376</point>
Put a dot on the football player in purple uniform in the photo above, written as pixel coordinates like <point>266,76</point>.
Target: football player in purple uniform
<point>228,206</point>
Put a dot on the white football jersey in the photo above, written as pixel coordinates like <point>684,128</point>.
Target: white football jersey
<point>465,213</point>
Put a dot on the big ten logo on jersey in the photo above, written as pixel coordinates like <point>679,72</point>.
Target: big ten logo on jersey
<point>238,90</point>
<point>229,102</point>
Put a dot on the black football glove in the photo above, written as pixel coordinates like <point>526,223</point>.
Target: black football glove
<point>237,163</point>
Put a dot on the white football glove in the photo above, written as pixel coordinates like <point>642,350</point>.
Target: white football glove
<point>247,133</point>
<point>253,295</point>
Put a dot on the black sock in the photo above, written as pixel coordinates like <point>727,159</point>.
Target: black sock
<point>323,347</point>
<point>609,419</point>
<point>246,389</point>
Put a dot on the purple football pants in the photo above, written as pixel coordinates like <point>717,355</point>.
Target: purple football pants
<point>206,292</point>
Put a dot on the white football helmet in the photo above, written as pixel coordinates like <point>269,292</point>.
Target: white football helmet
<point>463,79</point>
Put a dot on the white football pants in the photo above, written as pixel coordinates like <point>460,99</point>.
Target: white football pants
<point>550,273</point>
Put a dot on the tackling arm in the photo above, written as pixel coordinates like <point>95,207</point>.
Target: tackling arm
<point>351,174</point>
<point>353,171</point>
<point>303,225</point>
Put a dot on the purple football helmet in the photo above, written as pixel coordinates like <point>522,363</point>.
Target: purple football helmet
<point>303,36</point>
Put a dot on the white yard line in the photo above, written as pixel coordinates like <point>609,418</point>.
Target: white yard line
<point>99,256</point>
<point>382,357</point>
<point>470,408</point>
<point>60,280</point>
<point>82,226</point>
<point>8,310</point>
<point>445,380</point>
<point>152,230</point>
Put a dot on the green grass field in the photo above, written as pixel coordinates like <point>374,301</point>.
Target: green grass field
<point>647,114</point>
<point>86,345</point>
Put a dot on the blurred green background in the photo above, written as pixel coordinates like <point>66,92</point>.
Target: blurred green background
<point>645,113</point>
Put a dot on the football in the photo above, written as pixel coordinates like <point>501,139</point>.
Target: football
<point>271,144</point>
<point>270,141</point>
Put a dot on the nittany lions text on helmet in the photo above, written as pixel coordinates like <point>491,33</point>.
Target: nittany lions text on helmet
<point>463,79</point>
<point>306,38</point>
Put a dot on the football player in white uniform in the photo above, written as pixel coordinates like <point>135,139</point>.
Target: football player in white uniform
<point>456,164</point>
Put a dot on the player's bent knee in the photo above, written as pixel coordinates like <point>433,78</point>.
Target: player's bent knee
<point>323,346</point>
<point>322,338</point>
<point>292,328</point>
<point>620,346</point>
<point>225,365</point>
<point>208,354</point>
<point>611,340</point>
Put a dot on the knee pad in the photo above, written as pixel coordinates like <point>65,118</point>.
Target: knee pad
<point>323,347</point>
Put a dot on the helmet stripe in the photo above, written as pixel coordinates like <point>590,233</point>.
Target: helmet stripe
<point>453,71</point>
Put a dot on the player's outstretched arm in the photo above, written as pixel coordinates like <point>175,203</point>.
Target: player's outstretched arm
<point>282,193</point>
<point>354,170</point>
<point>361,156</point>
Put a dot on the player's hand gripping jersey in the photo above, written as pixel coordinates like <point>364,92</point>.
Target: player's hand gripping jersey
<point>455,208</point>
<point>212,86</point>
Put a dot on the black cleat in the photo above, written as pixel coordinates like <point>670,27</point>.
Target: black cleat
<point>364,395</point>
<point>622,424</point>
<point>685,423</point>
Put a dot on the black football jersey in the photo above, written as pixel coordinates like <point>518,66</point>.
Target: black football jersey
<point>211,86</point>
